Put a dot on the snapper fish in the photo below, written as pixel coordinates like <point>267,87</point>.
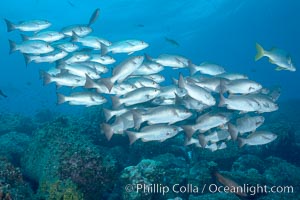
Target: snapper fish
<point>64,79</point>
<point>157,132</point>
<point>161,114</point>
<point>240,86</point>
<point>31,47</point>
<point>257,138</point>
<point>79,70</point>
<point>104,60</point>
<point>125,46</point>
<point>196,92</point>
<point>206,122</point>
<point>82,98</point>
<point>169,60</point>
<point>47,36</point>
<point>213,137</point>
<point>276,56</point>
<point>80,30</point>
<point>123,70</point>
<point>140,95</point>
<point>206,68</point>
<point>90,41</point>
<point>31,25</point>
<point>244,125</point>
<point>66,46</point>
<point>48,58</point>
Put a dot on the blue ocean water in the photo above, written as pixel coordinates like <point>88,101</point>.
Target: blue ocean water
<point>219,31</point>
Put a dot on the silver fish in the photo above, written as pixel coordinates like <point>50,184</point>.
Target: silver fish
<point>125,46</point>
<point>80,70</point>
<point>64,79</point>
<point>245,124</point>
<point>50,57</point>
<point>257,138</point>
<point>241,86</point>
<point>80,30</point>
<point>123,70</point>
<point>161,114</point>
<point>47,36</point>
<point>137,96</point>
<point>32,25</point>
<point>158,132</point>
<point>66,46</point>
<point>206,68</point>
<point>104,60</point>
<point>197,92</point>
<point>81,98</point>
<point>169,60</point>
<point>31,47</point>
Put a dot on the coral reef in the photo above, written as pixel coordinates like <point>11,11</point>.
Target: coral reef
<point>62,151</point>
<point>15,144</point>
<point>12,185</point>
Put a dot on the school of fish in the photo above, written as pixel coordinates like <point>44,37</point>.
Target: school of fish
<point>210,106</point>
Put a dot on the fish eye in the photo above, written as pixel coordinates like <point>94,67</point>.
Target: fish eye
<point>174,129</point>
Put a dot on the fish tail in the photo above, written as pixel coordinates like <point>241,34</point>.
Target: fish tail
<point>108,131</point>
<point>241,141</point>
<point>149,58</point>
<point>137,118</point>
<point>108,83</point>
<point>89,82</point>
<point>107,113</point>
<point>202,140</point>
<point>47,77</point>
<point>192,68</point>
<point>74,37</point>
<point>132,137</point>
<point>104,49</point>
<point>115,101</point>
<point>222,102</point>
<point>189,131</point>
<point>12,46</point>
<point>233,131</point>
<point>24,37</point>
<point>260,52</point>
<point>181,81</point>
<point>60,98</point>
<point>10,25</point>
<point>27,58</point>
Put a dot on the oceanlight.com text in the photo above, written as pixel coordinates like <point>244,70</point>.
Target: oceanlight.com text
<point>207,188</point>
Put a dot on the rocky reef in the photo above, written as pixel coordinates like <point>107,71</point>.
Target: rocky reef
<point>67,158</point>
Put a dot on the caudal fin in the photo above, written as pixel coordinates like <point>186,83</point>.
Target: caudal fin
<point>108,83</point>
<point>12,46</point>
<point>75,37</point>
<point>260,52</point>
<point>115,101</point>
<point>89,82</point>
<point>10,26</point>
<point>104,49</point>
<point>202,140</point>
<point>222,101</point>
<point>24,37</point>
<point>137,118</point>
<point>47,78</point>
<point>192,68</point>
<point>132,137</point>
<point>189,130</point>
<point>27,58</point>
<point>233,131</point>
<point>108,131</point>
<point>241,141</point>
<point>181,81</point>
<point>108,114</point>
<point>60,98</point>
